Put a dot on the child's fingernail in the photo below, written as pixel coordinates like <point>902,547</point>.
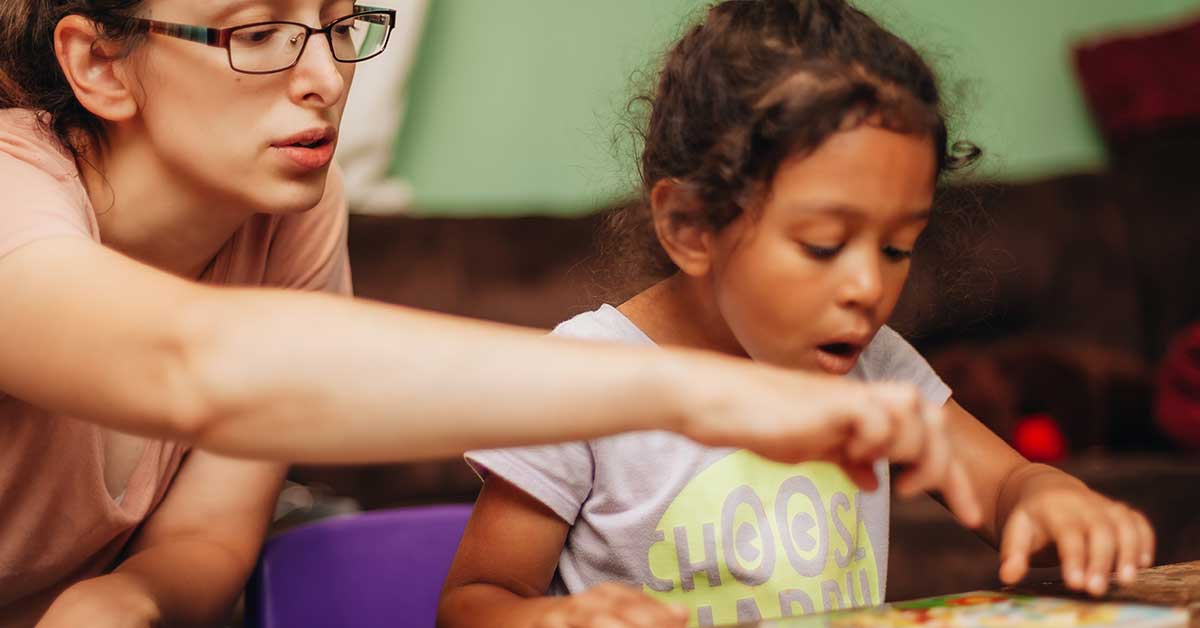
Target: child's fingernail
<point>1128,573</point>
<point>1097,584</point>
<point>1147,559</point>
<point>1075,578</point>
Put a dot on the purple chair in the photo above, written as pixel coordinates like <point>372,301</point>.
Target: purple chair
<point>371,570</point>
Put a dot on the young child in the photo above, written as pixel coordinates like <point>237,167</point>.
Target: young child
<point>790,163</point>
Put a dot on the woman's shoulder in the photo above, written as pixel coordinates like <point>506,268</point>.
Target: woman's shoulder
<point>25,138</point>
<point>43,196</point>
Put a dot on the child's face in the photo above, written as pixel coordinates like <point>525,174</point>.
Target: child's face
<point>807,280</point>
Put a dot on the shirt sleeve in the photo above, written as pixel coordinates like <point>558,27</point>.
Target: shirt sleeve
<point>38,204</point>
<point>559,476</point>
<point>309,251</point>
<point>890,357</point>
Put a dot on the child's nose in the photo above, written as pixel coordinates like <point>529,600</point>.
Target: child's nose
<point>863,285</point>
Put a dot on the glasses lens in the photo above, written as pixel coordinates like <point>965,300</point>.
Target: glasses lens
<point>359,37</point>
<point>266,47</point>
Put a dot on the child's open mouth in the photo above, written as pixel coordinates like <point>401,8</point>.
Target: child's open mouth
<point>839,348</point>
<point>838,358</point>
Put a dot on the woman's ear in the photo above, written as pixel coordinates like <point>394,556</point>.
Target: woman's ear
<point>93,67</point>
<point>681,227</point>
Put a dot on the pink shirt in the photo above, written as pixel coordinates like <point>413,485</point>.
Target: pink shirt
<point>58,523</point>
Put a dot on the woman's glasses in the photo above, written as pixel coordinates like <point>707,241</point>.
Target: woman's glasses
<point>267,47</point>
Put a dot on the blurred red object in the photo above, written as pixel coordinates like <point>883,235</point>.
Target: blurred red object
<point>1178,396</point>
<point>1039,438</point>
<point>1142,83</point>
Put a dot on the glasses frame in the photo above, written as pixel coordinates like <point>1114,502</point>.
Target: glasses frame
<point>222,37</point>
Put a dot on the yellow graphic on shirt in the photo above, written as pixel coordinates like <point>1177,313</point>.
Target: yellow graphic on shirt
<point>749,539</point>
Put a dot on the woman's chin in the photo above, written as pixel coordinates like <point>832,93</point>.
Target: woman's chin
<point>291,197</point>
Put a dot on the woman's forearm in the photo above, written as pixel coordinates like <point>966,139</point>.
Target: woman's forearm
<point>156,572</point>
<point>151,589</point>
<point>304,377</point>
<point>314,378</point>
<point>296,376</point>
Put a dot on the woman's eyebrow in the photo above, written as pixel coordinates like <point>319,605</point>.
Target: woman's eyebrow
<point>229,7</point>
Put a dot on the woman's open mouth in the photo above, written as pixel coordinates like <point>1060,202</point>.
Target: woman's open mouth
<point>310,150</point>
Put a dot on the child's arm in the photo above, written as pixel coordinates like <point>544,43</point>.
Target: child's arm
<point>505,564</point>
<point>1030,507</point>
<point>191,559</point>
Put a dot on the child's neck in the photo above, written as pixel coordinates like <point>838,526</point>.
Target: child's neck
<point>678,311</point>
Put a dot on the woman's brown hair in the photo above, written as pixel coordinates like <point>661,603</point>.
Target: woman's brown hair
<point>30,76</point>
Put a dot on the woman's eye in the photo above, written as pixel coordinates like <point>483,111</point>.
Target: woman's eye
<point>822,252</point>
<point>256,35</point>
<point>896,254</point>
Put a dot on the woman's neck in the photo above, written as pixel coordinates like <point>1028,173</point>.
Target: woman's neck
<point>678,311</point>
<point>149,214</point>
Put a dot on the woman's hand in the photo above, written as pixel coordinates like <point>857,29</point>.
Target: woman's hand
<point>1094,535</point>
<point>613,606</point>
<point>110,601</point>
<point>792,417</point>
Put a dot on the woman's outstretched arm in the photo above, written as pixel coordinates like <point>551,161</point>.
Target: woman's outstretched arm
<point>305,377</point>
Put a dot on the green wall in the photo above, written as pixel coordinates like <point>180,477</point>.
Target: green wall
<point>514,105</point>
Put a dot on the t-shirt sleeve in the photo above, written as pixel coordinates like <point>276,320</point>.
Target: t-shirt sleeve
<point>308,250</point>
<point>559,476</point>
<point>890,357</point>
<point>37,204</point>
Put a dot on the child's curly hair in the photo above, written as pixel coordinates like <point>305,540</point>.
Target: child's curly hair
<point>758,81</point>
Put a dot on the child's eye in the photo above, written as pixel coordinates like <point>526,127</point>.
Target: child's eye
<point>822,252</point>
<point>896,255</point>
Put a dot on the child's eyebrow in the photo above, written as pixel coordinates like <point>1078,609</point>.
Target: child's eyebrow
<point>852,212</point>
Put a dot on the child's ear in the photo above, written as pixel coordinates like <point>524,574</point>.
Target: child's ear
<point>681,228</point>
<point>94,67</point>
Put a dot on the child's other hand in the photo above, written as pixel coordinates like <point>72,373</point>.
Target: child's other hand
<point>1094,535</point>
<point>613,606</point>
<point>794,417</point>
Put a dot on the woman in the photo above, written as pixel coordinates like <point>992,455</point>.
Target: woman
<point>171,223</point>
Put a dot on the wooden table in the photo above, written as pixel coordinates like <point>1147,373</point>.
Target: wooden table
<point>1167,585</point>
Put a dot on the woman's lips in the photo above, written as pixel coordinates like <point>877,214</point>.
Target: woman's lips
<point>308,158</point>
<point>311,149</point>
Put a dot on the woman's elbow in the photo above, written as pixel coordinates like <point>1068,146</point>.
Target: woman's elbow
<point>201,373</point>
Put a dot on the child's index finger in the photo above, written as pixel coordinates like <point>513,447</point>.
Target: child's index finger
<point>1015,547</point>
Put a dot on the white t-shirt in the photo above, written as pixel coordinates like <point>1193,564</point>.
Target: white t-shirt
<point>729,534</point>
